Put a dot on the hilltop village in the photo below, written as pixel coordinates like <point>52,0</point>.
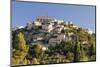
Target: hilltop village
<point>50,31</point>
<point>57,38</point>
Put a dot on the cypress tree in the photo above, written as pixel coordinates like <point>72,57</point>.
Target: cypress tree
<point>77,52</point>
<point>82,55</point>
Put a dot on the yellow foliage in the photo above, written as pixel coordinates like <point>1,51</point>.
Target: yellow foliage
<point>20,42</point>
<point>35,61</point>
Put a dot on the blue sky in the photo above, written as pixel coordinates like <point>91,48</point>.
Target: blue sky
<point>24,12</point>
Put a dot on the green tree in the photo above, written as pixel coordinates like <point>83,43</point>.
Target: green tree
<point>18,57</point>
<point>15,61</point>
<point>70,56</point>
<point>92,52</point>
<point>20,51</point>
<point>83,56</point>
<point>77,52</point>
<point>37,50</point>
<point>35,61</point>
<point>20,42</point>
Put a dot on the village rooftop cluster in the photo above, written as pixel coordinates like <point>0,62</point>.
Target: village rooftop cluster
<point>50,31</point>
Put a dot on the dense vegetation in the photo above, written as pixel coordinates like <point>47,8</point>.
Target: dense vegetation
<point>70,51</point>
